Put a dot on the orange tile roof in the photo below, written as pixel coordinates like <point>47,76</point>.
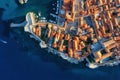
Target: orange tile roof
<point>111,46</point>
<point>117,38</point>
<point>104,56</point>
<point>98,55</point>
<point>69,9</point>
<point>82,44</point>
<point>77,56</point>
<point>61,48</point>
<point>66,4</point>
<point>61,36</point>
<point>90,30</point>
<point>38,33</point>
<point>79,47</point>
<point>117,1</point>
<point>103,30</point>
<point>115,21</point>
<point>84,38</point>
<point>70,52</point>
<point>75,45</point>
<point>108,43</point>
<point>67,36</point>
<point>107,35</point>
<point>54,45</point>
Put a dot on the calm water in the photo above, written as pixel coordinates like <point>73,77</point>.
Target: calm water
<point>22,59</point>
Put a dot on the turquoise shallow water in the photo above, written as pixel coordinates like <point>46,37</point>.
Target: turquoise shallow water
<point>13,10</point>
<point>22,59</point>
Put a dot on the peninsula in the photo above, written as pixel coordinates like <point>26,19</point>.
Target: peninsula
<point>80,30</point>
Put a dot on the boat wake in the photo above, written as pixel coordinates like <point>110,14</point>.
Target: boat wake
<point>3,41</point>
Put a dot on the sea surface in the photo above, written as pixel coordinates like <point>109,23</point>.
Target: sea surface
<point>22,59</point>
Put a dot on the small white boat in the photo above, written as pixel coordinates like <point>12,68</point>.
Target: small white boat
<point>39,13</point>
<point>22,1</point>
<point>42,44</point>
<point>92,66</point>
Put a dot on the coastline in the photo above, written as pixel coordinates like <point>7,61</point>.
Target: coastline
<point>72,60</point>
<point>79,70</point>
<point>35,28</point>
<point>26,59</point>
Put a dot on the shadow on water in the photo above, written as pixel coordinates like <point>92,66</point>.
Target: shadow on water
<point>31,47</point>
<point>4,28</point>
<point>1,12</point>
<point>5,25</point>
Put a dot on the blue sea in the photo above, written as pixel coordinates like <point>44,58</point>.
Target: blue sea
<point>22,59</point>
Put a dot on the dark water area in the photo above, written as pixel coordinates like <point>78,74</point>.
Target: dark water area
<point>1,12</point>
<point>22,59</point>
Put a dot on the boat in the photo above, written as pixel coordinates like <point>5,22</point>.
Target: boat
<point>92,66</point>
<point>22,1</point>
